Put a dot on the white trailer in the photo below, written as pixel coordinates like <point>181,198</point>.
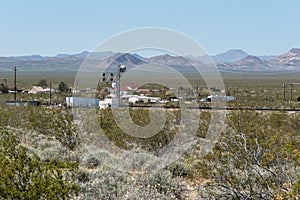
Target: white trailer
<point>82,102</point>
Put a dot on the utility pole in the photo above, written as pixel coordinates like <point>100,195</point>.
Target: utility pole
<point>291,92</point>
<point>227,87</point>
<point>15,84</point>
<point>200,91</point>
<point>66,89</point>
<point>284,91</point>
<point>50,96</point>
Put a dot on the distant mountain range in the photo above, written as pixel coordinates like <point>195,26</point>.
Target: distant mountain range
<point>82,55</point>
<point>233,60</point>
<point>230,56</point>
<point>287,61</point>
<point>251,63</point>
<point>233,55</point>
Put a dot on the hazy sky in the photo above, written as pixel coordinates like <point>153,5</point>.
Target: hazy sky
<point>259,27</point>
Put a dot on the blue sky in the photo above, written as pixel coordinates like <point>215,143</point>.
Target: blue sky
<point>259,27</point>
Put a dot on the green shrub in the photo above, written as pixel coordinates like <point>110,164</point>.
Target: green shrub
<point>25,176</point>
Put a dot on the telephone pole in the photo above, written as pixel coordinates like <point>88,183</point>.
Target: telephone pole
<point>284,91</point>
<point>227,88</point>
<point>50,94</point>
<point>291,91</point>
<point>15,84</point>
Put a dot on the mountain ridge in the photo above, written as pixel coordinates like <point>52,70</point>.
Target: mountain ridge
<point>289,60</point>
<point>230,56</point>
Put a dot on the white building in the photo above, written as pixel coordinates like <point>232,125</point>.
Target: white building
<point>35,90</point>
<point>82,102</point>
<point>39,89</point>
<point>218,98</point>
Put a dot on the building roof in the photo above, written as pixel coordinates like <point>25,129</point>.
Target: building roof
<point>35,90</point>
<point>38,89</point>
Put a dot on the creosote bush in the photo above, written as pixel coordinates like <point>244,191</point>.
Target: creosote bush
<point>49,122</point>
<point>256,157</point>
<point>141,117</point>
<point>25,176</point>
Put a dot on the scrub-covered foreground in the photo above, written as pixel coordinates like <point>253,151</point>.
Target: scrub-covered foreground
<point>44,155</point>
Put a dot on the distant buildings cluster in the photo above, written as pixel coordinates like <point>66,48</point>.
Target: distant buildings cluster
<point>32,90</point>
<point>90,97</point>
<point>141,97</point>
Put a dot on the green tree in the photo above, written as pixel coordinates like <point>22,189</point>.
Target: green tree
<point>3,88</point>
<point>62,87</point>
<point>42,83</point>
<point>25,176</point>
